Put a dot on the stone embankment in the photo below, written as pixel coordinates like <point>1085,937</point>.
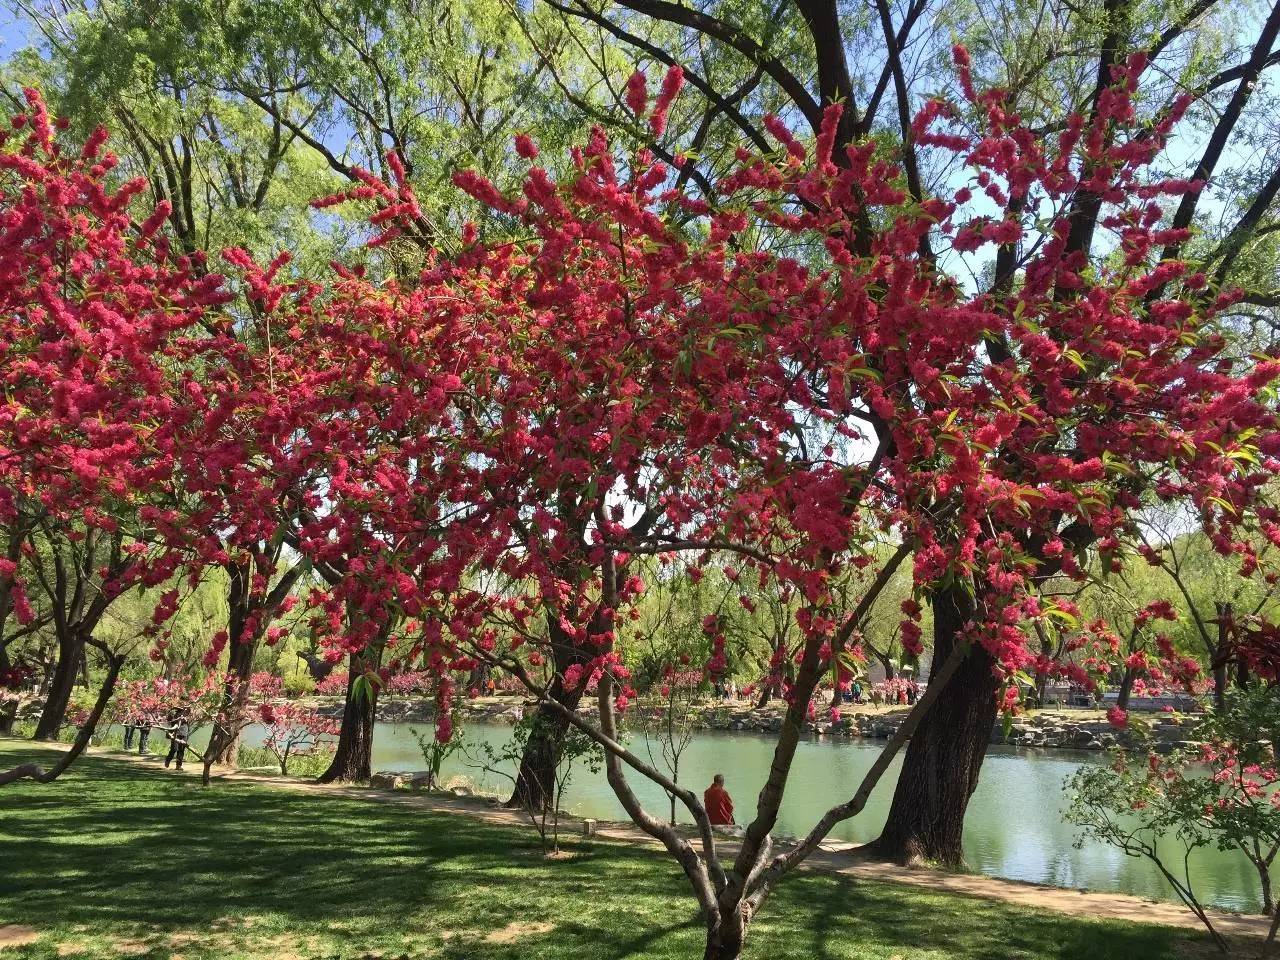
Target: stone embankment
<point>1062,729</point>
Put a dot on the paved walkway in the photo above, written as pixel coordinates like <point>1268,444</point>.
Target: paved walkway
<point>833,857</point>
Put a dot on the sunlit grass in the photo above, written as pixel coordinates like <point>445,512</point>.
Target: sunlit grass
<point>117,859</point>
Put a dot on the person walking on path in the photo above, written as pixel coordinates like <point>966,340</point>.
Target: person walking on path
<point>718,803</point>
<point>179,734</point>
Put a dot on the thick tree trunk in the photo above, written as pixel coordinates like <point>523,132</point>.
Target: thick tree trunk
<point>1219,686</point>
<point>535,780</point>
<point>62,681</point>
<point>1126,688</point>
<point>224,744</point>
<point>354,758</point>
<point>944,757</point>
<point>725,939</point>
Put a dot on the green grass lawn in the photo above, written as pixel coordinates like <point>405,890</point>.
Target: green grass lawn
<point>116,859</point>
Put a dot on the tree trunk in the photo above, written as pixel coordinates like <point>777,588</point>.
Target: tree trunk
<point>37,773</point>
<point>887,665</point>
<point>1126,688</point>
<point>63,680</point>
<point>725,939</point>
<point>768,690</point>
<point>1042,675</point>
<point>535,781</point>
<point>1242,674</point>
<point>1226,613</point>
<point>1269,944</point>
<point>1220,678</point>
<point>224,744</point>
<point>944,757</point>
<point>353,760</point>
<point>1219,686</point>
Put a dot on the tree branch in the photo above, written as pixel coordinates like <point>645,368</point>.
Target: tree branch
<point>33,771</point>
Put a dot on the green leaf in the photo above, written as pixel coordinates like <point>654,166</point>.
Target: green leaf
<point>1059,614</point>
<point>361,689</point>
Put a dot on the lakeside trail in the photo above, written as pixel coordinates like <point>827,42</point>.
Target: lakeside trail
<point>832,857</point>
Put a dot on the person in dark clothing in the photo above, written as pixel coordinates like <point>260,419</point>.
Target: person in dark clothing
<point>178,736</point>
<point>129,731</point>
<point>143,739</point>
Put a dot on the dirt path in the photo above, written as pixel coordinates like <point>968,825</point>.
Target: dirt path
<point>832,857</point>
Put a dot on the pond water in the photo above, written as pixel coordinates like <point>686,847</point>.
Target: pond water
<point>1014,826</point>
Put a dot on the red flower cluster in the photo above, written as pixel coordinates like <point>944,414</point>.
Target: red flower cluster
<point>478,453</point>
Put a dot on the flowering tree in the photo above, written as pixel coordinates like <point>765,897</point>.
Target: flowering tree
<point>1049,85</point>
<point>253,603</point>
<point>409,683</point>
<point>1223,793</point>
<point>678,392</point>
<point>293,730</point>
<point>335,684</point>
<point>201,701</point>
<point>774,382</point>
<point>897,690</point>
<point>99,364</point>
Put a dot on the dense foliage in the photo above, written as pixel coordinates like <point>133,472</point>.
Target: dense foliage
<point>610,423</point>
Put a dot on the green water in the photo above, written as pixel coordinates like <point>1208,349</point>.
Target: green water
<point>1014,826</point>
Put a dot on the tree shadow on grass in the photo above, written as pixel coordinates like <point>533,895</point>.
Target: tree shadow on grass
<point>116,850</point>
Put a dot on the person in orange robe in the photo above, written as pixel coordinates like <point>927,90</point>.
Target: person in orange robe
<point>718,803</point>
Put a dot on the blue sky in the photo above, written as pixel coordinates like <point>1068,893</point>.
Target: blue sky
<point>14,34</point>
